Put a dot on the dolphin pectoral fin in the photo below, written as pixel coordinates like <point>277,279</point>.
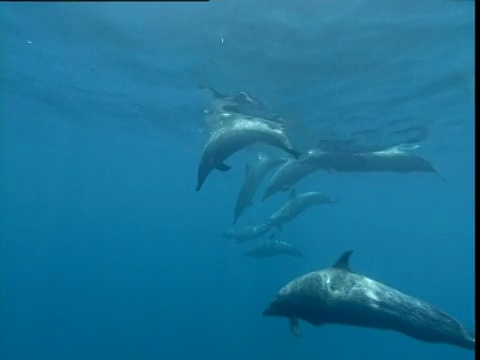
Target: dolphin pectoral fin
<point>440,175</point>
<point>279,226</point>
<point>223,167</point>
<point>294,326</point>
<point>296,154</point>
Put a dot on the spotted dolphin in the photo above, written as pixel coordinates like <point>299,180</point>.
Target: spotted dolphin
<point>242,132</point>
<point>393,159</point>
<point>273,247</point>
<point>288,175</point>
<point>247,232</point>
<point>338,295</point>
<point>253,178</point>
<point>295,205</point>
<point>238,103</point>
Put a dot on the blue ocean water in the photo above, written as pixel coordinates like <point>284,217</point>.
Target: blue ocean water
<point>107,251</point>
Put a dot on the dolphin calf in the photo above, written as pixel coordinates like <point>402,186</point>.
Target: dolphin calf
<point>247,232</point>
<point>393,159</point>
<point>288,175</point>
<point>253,178</point>
<point>337,295</point>
<point>273,247</point>
<point>241,133</point>
<point>295,205</point>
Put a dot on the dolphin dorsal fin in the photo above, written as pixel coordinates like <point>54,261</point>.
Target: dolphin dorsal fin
<point>343,261</point>
<point>293,193</point>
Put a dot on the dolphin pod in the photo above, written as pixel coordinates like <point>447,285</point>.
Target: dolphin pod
<point>338,295</point>
<point>394,159</point>
<point>335,295</point>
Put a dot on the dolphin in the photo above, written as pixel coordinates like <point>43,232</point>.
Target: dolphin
<point>239,103</point>
<point>239,98</point>
<point>273,247</point>
<point>393,159</point>
<point>253,178</point>
<point>295,205</point>
<point>338,295</point>
<point>241,133</point>
<point>287,175</point>
<point>247,232</point>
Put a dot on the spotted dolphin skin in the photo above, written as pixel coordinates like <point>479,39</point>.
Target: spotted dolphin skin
<point>242,132</point>
<point>253,177</point>
<point>337,295</point>
<point>247,232</point>
<point>295,205</point>
<point>273,247</point>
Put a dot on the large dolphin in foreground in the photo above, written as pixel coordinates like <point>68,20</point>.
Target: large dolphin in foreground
<point>273,247</point>
<point>337,295</point>
<point>295,205</point>
<point>247,232</point>
<point>253,178</point>
<point>242,132</point>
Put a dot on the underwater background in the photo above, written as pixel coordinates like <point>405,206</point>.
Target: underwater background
<point>107,251</point>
